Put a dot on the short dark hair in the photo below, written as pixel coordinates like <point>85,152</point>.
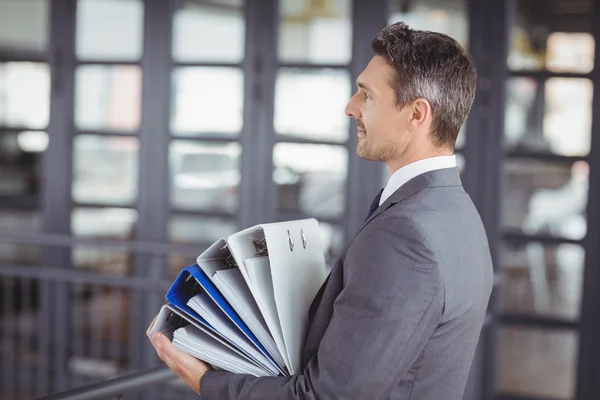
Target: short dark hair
<point>432,66</point>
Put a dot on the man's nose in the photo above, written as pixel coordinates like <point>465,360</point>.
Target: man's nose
<point>351,109</point>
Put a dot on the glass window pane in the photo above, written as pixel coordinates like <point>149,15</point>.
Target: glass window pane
<point>24,94</point>
<point>546,198</point>
<point>204,176</point>
<point>105,259</point>
<point>109,29</point>
<point>537,363</point>
<point>24,25</point>
<point>224,24</point>
<point>316,32</point>
<point>20,161</point>
<point>448,17</point>
<point>199,229</point>
<point>108,222</point>
<point>542,279</point>
<point>108,97</point>
<point>311,178</point>
<point>177,262</point>
<point>207,99</point>
<point>20,221</point>
<point>537,115</point>
<point>105,169</point>
<point>310,104</point>
<point>551,41</point>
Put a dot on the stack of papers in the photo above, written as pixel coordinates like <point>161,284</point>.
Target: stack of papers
<point>243,307</point>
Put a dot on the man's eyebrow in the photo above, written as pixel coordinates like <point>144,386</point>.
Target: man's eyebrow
<point>363,86</point>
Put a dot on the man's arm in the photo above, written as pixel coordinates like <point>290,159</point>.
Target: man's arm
<point>390,305</point>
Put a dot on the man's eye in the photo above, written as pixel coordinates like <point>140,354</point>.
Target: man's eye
<point>366,96</point>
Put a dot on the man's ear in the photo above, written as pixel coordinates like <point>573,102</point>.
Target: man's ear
<point>421,112</point>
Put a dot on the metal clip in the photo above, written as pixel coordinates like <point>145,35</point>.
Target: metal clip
<point>290,241</point>
<point>303,238</point>
<point>230,261</point>
<point>261,247</point>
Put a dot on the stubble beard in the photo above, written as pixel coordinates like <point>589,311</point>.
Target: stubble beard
<point>371,152</point>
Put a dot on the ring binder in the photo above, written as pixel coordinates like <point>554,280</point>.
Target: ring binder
<point>245,302</point>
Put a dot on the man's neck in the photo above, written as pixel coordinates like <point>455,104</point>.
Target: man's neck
<point>395,165</point>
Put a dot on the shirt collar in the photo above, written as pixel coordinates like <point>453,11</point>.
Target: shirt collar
<point>414,169</point>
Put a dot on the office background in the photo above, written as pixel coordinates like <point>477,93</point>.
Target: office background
<point>133,133</point>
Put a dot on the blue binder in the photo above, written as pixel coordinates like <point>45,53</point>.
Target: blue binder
<point>192,281</point>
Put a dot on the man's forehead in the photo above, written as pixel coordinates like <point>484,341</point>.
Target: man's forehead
<point>375,74</point>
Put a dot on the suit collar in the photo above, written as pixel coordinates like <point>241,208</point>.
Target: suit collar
<point>431,179</point>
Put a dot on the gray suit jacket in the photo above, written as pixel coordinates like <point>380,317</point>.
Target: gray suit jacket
<point>402,310</point>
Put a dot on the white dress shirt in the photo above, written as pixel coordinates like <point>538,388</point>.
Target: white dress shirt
<point>412,170</point>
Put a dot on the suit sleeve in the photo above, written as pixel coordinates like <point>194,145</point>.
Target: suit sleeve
<point>391,303</point>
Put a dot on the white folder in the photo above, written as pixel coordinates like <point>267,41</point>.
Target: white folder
<point>297,265</point>
<point>237,294</point>
<point>203,344</point>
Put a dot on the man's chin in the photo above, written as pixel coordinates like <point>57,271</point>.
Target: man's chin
<point>363,152</point>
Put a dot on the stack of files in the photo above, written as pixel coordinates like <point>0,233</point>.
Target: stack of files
<point>243,307</point>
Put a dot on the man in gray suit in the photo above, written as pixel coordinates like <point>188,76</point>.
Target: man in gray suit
<point>401,312</point>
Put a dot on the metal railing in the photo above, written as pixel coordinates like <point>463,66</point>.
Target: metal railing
<point>115,387</point>
<point>74,311</point>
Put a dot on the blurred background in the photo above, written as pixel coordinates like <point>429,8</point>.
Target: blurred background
<point>134,133</point>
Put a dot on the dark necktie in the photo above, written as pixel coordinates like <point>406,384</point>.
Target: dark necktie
<point>374,205</point>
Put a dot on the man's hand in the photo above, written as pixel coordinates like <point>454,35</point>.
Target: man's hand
<point>189,369</point>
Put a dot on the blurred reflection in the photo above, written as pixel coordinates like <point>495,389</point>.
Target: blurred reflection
<point>546,198</point>
<point>100,325</point>
<point>20,162</point>
<point>199,229</point>
<point>547,40</point>
<point>24,25</point>
<point>321,94</point>
<point>24,94</point>
<point>315,32</point>
<point>311,178</point>
<point>449,17</point>
<point>109,29</point>
<point>177,262</point>
<point>204,176</point>
<point>222,22</point>
<point>537,115</point>
<point>105,169</point>
<point>543,279</point>
<point>113,223</point>
<point>537,363</point>
<point>108,97</point>
<point>207,99</point>
<point>105,222</point>
<point>13,221</point>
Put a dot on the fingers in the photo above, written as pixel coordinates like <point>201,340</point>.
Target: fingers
<point>189,369</point>
<point>150,327</point>
<point>164,348</point>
